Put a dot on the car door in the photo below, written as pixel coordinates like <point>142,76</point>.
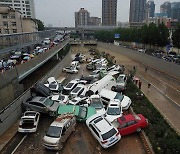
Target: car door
<point>132,126</point>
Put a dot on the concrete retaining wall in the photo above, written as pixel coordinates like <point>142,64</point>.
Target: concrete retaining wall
<point>12,113</point>
<point>9,80</point>
<point>154,62</point>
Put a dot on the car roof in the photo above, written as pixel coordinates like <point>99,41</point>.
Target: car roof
<point>68,109</point>
<point>108,93</point>
<point>62,119</point>
<point>125,118</point>
<point>102,125</point>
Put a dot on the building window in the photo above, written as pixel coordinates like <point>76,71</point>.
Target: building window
<point>4,16</point>
<point>12,16</point>
<point>28,13</point>
<point>6,31</point>
<point>17,5</point>
<point>5,23</point>
<point>27,2</point>
<point>14,30</point>
<point>16,1</point>
<point>13,23</point>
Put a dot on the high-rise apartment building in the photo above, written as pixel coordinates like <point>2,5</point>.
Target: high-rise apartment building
<point>165,8</point>
<point>26,7</point>
<point>94,21</point>
<point>81,17</point>
<point>175,10</point>
<point>137,10</point>
<point>150,9</point>
<point>109,12</point>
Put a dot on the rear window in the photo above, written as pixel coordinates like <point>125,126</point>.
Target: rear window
<point>109,134</point>
<point>30,114</point>
<point>54,131</point>
<point>28,120</point>
<point>52,86</point>
<point>119,97</point>
<point>76,89</point>
<point>113,111</point>
<point>69,85</point>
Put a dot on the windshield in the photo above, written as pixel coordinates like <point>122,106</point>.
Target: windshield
<point>96,103</point>
<point>119,97</point>
<point>54,131</point>
<point>82,112</point>
<point>113,111</point>
<point>109,134</point>
<point>48,102</point>
<point>66,92</point>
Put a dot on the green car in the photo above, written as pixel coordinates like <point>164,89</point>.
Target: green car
<point>82,113</point>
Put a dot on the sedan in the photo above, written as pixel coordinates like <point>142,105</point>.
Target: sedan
<point>70,70</point>
<point>130,123</point>
<point>29,122</point>
<point>41,104</point>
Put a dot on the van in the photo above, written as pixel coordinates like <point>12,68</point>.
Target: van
<point>107,82</point>
<point>59,131</point>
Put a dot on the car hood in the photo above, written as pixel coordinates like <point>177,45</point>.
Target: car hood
<point>125,102</point>
<point>50,140</point>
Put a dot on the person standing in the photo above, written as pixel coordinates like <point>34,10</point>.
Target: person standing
<point>140,84</point>
<point>149,86</point>
<point>146,69</point>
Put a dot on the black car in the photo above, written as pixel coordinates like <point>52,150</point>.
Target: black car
<point>41,90</point>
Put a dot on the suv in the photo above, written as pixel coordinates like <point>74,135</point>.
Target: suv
<point>59,131</point>
<point>106,134</point>
<point>69,87</point>
<point>79,90</point>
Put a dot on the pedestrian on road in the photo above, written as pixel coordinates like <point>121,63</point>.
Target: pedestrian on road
<point>115,61</point>
<point>149,86</point>
<point>146,69</point>
<point>140,83</point>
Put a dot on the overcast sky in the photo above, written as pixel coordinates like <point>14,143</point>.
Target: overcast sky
<point>61,12</point>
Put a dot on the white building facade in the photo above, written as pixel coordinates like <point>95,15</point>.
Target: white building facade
<point>26,7</point>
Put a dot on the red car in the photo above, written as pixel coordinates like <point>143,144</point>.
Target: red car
<point>131,123</point>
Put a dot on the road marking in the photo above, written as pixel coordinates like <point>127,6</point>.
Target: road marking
<point>161,91</point>
<point>19,144</point>
<point>164,83</point>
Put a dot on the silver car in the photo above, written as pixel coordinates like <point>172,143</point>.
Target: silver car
<point>41,104</point>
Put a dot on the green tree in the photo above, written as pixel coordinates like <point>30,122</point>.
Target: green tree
<point>163,35</point>
<point>176,37</point>
<point>40,24</point>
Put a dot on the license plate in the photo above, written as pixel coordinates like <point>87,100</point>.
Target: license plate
<point>112,139</point>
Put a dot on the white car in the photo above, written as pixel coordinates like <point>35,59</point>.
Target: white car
<point>29,122</point>
<point>79,90</point>
<point>105,133</point>
<point>95,101</point>
<point>69,87</point>
<point>107,95</point>
<point>81,100</point>
<point>75,64</point>
<point>121,82</point>
<point>114,68</point>
<point>70,70</point>
<point>114,111</point>
<point>61,99</point>
<point>94,74</point>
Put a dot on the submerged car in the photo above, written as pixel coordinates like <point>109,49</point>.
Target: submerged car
<point>29,122</point>
<point>59,131</point>
<point>104,132</point>
<point>41,104</point>
<point>70,70</point>
<point>82,113</point>
<point>114,111</point>
<point>130,123</point>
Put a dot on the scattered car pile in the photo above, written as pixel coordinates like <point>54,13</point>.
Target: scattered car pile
<point>97,100</point>
<point>25,54</point>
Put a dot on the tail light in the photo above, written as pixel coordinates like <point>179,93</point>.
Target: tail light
<point>117,133</point>
<point>103,142</point>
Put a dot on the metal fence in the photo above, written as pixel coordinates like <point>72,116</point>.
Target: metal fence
<point>11,41</point>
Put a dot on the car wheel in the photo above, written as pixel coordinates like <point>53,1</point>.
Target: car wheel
<point>138,129</point>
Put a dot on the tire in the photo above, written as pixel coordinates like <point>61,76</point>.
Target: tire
<point>138,129</point>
